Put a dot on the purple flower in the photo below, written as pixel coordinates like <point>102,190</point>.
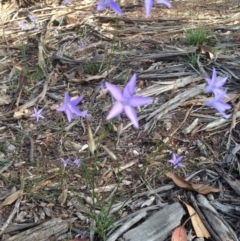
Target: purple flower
<point>37,114</point>
<point>77,161</point>
<point>82,45</point>
<point>67,1</point>
<point>111,4</point>
<point>218,104</point>
<point>65,162</point>
<point>177,161</point>
<point>125,101</point>
<point>70,107</point>
<point>23,25</point>
<point>33,18</point>
<point>149,5</point>
<point>215,83</point>
<point>103,85</point>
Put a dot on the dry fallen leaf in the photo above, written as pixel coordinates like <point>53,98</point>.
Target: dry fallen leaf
<point>179,181</point>
<point>206,50</point>
<point>11,198</point>
<point>40,185</point>
<point>199,228</point>
<point>179,234</point>
<point>204,189</point>
<point>200,188</point>
<point>91,142</point>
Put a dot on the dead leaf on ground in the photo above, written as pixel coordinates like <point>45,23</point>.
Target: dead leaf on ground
<point>40,185</point>
<point>204,189</point>
<point>206,50</point>
<point>199,227</point>
<point>180,182</point>
<point>179,234</point>
<point>200,188</point>
<point>12,198</point>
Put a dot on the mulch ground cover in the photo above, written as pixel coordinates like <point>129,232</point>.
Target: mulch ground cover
<point>127,189</point>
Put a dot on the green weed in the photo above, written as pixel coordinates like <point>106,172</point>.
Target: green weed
<point>197,36</point>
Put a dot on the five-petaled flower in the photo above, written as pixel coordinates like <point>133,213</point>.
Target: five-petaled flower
<point>177,161</point>
<point>77,161</point>
<point>37,114</point>
<point>125,101</point>
<point>23,25</point>
<point>65,162</point>
<point>70,107</point>
<point>81,45</point>
<point>33,18</point>
<point>218,104</point>
<point>111,4</point>
<point>215,83</point>
<point>149,5</point>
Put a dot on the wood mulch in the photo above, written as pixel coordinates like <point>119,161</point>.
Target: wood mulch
<point>72,48</point>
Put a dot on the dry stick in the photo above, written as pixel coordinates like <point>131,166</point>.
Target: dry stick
<point>25,135</point>
<point>203,218</point>
<point>126,226</point>
<point>15,210</point>
<point>222,219</point>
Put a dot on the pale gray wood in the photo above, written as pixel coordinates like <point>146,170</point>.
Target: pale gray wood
<point>158,226</point>
<point>224,231</point>
<point>47,231</point>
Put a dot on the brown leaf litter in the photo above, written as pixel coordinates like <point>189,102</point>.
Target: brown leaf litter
<point>37,65</point>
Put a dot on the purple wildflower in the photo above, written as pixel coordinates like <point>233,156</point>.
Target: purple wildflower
<point>103,85</point>
<point>67,1</point>
<point>149,5</point>
<point>32,18</point>
<point>125,101</point>
<point>23,25</point>
<point>177,161</point>
<point>65,162</point>
<point>81,46</point>
<point>77,161</point>
<point>37,114</point>
<point>218,104</point>
<point>111,4</point>
<point>215,83</point>
<point>70,107</point>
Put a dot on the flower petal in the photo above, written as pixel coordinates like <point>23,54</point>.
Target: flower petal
<point>68,114</point>
<point>214,74</point>
<point>101,6</point>
<point>115,91</point>
<point>165,2</point>
<point>220,81</point>
<point>220,93</point>
<point>139,101</point>
<point>220,106</point>
<point>115,7</point>
<point>130,87</point>
<point>148,7</point>
<point>115,111</point>
<point>66,98</point>
<point>76,101</point>
<point>132,115</point>
<point>61,108</point>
